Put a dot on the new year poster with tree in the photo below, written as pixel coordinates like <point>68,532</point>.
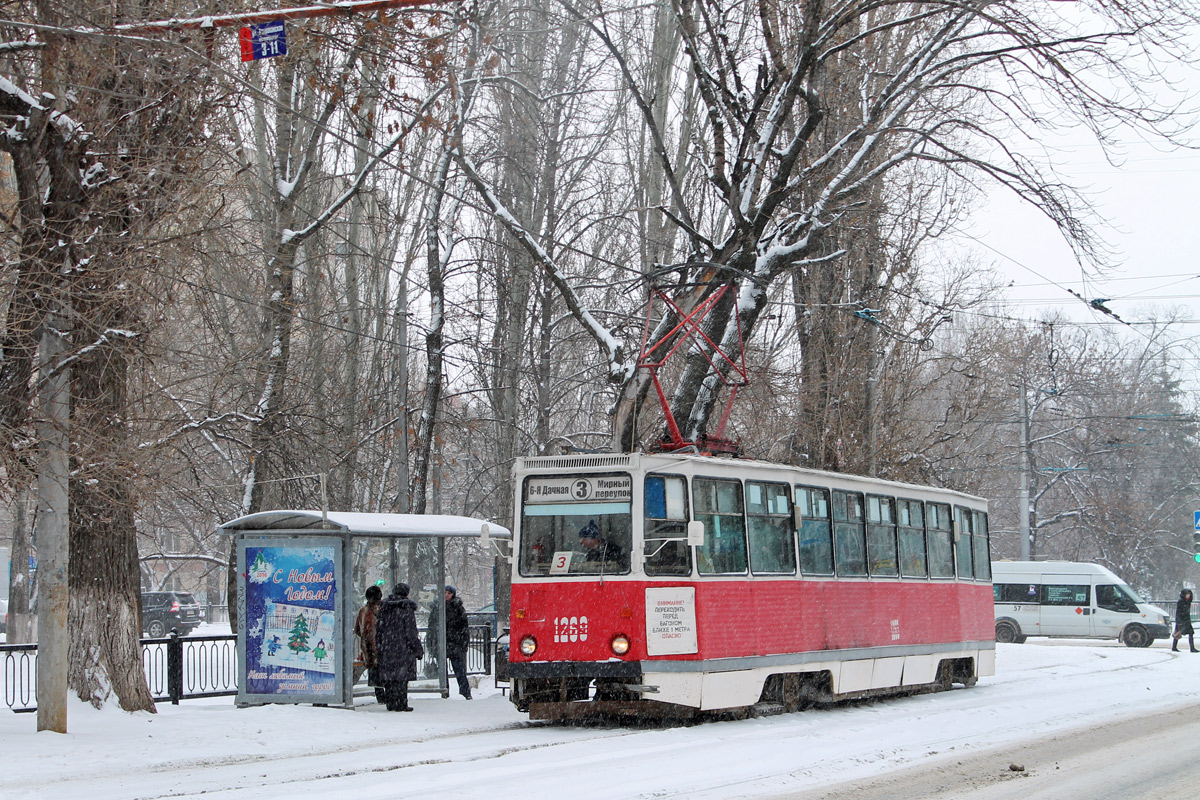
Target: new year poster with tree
<point>291,628</point>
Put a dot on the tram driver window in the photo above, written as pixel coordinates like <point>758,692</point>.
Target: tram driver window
<point>666,550</point>
<point>567,530</point>
<point>718,504</point>
<point>769,524</point>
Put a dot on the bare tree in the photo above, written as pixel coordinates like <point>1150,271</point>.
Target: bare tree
<point>808,110</point>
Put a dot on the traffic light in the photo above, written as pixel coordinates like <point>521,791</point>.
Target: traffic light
<point>1196,546</point>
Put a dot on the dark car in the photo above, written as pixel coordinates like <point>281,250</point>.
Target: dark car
<point>164,611</point>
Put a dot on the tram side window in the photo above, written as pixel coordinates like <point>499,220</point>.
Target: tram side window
<point>941,540</point>
<point>850,552</point>
<point>966,529</point>
<point>983,561</point>
<point>769,525</point>
<point>881,536</point>
<point>816,543</point>
<point>718,504</point>
<point>666,550</point>
<point>910,514</point>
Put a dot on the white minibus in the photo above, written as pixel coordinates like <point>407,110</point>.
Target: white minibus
<point>1071,599</point>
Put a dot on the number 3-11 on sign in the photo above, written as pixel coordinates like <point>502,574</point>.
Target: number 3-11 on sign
<point>266,40</point>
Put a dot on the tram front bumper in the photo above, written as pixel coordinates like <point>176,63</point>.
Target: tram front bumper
<point>629,670</point>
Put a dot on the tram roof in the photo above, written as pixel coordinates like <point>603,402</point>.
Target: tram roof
<point>357,523</point>
<point>654,461</point>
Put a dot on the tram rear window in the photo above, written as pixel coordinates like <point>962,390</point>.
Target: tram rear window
<point>576,525</point>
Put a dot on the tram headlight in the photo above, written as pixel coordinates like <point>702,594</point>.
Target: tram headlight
<point>528,645</point>
<point>620,644</point>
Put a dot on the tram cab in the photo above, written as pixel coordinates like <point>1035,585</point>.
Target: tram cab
<point>674,584</point>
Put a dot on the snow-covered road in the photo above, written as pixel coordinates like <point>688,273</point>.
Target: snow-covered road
<point>484,749</point>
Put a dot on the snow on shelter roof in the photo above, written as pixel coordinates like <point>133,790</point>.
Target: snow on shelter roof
<point>357,523</point>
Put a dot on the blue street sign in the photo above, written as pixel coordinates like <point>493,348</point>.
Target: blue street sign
<point>266,40</point>
<point>1197,519</point>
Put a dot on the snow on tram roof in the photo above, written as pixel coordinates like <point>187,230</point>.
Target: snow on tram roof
<point>358,523</point>
<point>655,461</point>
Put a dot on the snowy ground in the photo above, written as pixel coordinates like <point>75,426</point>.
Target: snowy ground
<point>483,748</point>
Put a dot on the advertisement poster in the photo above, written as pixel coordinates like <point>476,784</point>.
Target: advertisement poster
<point>290,636</point>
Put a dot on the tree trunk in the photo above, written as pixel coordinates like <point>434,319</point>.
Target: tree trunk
<point>105,597</point>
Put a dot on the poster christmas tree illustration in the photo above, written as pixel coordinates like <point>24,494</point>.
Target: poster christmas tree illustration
<point>288,635</point>
<point>298,638</point>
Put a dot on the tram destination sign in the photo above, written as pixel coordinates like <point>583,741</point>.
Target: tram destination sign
<point>576,489</point>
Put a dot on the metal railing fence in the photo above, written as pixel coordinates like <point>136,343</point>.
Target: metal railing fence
<point>190,667</point>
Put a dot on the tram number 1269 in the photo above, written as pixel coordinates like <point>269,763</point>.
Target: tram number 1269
<point>570,629</point>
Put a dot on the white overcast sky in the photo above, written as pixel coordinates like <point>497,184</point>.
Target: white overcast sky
<point>1147,199</point>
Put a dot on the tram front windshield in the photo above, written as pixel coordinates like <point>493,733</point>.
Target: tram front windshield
<point>576,525</point>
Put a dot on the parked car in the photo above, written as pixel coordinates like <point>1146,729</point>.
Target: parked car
<point>164,611</point>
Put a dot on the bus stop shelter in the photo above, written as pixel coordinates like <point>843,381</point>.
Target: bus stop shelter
<point>297,596</point>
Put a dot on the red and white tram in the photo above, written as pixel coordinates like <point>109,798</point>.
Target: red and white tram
<point>669,584</point>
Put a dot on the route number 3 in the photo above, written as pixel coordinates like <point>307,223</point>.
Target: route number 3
<point>560,562</point>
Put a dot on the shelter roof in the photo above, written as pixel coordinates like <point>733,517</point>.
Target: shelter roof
<point>358,523</point>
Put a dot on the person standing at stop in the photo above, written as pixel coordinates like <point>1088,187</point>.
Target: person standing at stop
<point>458,637</point>
<point>399,647</point>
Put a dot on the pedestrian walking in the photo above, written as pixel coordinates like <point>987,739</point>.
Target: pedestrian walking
<point>1183,621</point>
<point>368,649</point>
<point>399,647</point>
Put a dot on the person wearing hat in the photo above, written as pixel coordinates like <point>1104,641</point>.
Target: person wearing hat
<point>1183,621</point>
<point>398,647</point>
<point>364,628</point>
<point>458,637</point>
<point>596,547</point>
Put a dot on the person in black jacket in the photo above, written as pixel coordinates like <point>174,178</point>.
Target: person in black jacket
<point>1183,621</point>
<point>458,636</point>
<point>399,647</point>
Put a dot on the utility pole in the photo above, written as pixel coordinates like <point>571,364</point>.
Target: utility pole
<point>52,528</point>
<point>1023,494</point>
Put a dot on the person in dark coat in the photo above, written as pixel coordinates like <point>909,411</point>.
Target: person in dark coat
<point>599,548</point>
<point>399,647</point>
<point>1183,621</point>
<point>458,636</point>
